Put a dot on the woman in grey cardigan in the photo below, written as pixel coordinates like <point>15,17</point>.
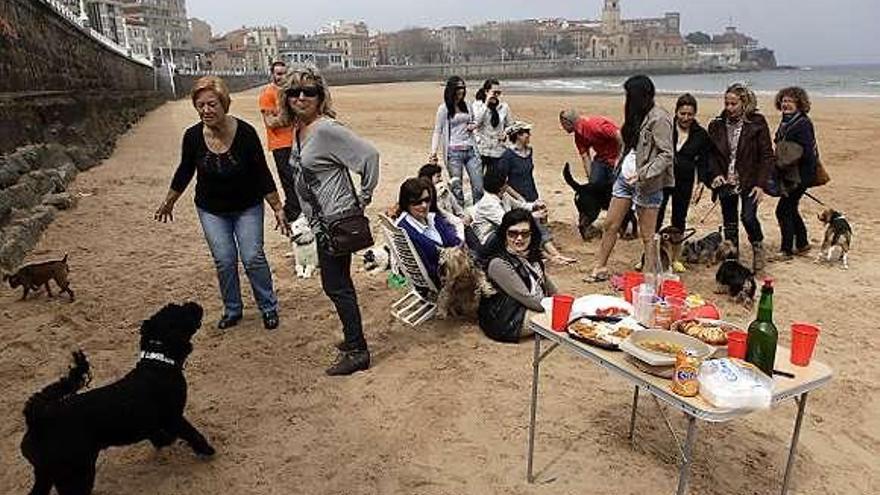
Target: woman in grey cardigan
<point>643,173</point>
<point>324,153</point>
<point>453,129</point>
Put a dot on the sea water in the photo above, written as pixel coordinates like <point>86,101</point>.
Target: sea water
<point>841,81</point>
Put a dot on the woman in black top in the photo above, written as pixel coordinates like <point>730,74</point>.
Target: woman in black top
<point>691,154</point>
<point>796,126</point>
<point>226,156</point>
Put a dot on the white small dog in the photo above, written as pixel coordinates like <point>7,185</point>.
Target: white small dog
<point>376,259</point>
<point>305,250</point>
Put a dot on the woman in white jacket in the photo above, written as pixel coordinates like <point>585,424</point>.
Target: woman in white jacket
<point>492,116</point>
<point>453,128</point>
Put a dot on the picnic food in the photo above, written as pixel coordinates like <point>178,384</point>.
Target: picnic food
<point>612,311</point>
<point>710,334</point>
<point>684,379</point>
<point>598,332</point>
<point>660,346</point>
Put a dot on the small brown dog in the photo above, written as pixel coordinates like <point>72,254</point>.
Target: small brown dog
<point>33,275</point>
<point>462,283</point>
<point>838,236</point>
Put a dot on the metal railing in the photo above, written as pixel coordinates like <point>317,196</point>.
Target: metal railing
<point>74,19</point>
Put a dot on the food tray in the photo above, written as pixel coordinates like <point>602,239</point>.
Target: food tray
<point>630,346</point>
<point>723,325</point>
<point>600,342</point>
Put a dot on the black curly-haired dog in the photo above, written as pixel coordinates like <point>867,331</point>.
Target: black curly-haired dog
<point>66,431</point>
<point>590,199</point>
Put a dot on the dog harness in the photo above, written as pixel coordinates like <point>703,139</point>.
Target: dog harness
<point>157,356</point>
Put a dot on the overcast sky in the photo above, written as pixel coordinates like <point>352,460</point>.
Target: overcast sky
<point>803,32</point>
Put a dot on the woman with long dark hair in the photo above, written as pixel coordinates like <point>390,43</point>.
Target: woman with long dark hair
<point>796,127</point>
<point>643,172</point>
<point>692,149</point>
<point>492,116</point>
<point>740,164</point>
<point>515,268</point>
<point>453,128</point>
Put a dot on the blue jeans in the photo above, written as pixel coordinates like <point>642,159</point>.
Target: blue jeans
<point>623,189</point>
<point>456,161</point>
<point>235,234</point>
<point>601,172</point>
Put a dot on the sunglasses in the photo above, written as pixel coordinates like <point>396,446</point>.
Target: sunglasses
<point>421,201</point>
<point>497,92</point>
<point>305,91</point>
<point>519,234</point>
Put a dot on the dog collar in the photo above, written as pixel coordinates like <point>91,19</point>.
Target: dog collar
<point>157,356</point>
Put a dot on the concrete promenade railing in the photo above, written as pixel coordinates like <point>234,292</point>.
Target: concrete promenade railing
<point>74,19</point>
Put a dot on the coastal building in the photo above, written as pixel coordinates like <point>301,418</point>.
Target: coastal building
<point>302,50</point>
<point>105,17</point>
<point>137,38</point>
<point>266,39</point>
<point>201,35</point>
<point>731,50</point>
<point>350,38</point>
<point>233,52</point>
<point>627,39</point>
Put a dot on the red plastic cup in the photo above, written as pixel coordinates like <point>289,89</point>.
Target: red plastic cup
<point>803,342</point>
<point>631,280</point>
<point>736,344</point>
<point>673,288</point>
<point>677,305</point>
<point>561,311</point>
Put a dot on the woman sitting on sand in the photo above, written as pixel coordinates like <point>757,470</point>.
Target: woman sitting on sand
<point>426,227</point>
<point>515,269</point>
<point>453,129</point>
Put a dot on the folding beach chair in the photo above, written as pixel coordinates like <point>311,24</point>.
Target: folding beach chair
<point>420,302</point>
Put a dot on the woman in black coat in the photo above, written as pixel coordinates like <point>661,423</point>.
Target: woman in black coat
<point>691,161</point>
<point>796,126</point>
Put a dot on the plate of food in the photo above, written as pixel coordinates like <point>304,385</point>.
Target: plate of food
<point>602,306</point>
<point>659,347</point>
<point>712,332</point>
<point>601,333</point>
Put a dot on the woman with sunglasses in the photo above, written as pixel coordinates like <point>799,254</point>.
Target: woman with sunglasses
<point>492,116</point>
<point>515,269</point>
<point>453,128</point>
<point>427,228</point>
<point>324,153</point>
<point>232,181</point>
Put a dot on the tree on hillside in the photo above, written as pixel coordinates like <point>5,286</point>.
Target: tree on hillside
<point>516,37</point>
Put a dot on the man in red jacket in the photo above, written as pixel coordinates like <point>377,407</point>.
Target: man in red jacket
<point>598,142</point>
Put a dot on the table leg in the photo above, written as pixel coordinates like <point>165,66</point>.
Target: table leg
<point>802,405</point>
<point>536,363</point>
<point>684,471</point>
<point>632,418</point>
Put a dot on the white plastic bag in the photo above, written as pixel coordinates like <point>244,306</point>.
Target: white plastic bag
<point>734,384</point>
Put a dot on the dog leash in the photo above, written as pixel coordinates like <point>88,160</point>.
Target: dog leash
<point>814,198</point>
<point>706,215</point>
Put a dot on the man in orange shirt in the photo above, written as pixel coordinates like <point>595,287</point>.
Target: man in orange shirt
<point>279,135</point>
<point>596,133</point>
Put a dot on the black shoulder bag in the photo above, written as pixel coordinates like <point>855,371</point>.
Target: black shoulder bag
<point>344,233</point>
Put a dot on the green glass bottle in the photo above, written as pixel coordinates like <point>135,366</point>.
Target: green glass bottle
<point>761,346</point>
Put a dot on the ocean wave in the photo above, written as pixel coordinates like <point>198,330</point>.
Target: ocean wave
<point>872,83</point>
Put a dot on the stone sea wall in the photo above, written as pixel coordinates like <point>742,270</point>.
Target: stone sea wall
<point>65,97</point>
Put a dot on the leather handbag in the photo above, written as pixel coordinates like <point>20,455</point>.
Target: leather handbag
<point>344,233</point>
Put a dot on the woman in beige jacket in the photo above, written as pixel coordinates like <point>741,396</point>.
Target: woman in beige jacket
<point>642,174</point>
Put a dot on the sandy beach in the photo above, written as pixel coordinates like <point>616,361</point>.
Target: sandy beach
<point>444,410</point>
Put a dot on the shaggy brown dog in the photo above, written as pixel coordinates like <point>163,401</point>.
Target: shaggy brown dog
<point>33,275</point>
<point>462,283</point>
<point>838,235</point>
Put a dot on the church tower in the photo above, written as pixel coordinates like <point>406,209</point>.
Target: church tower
<point>611,17</point>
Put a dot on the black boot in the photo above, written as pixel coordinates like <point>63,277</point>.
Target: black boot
<point>347,362</point>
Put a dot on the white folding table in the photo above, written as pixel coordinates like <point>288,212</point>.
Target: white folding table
<point>806,379</point>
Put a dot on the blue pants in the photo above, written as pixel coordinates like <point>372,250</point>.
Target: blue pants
<point>456,162</point>
<point>235,234</point>
<point>749,217</point>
